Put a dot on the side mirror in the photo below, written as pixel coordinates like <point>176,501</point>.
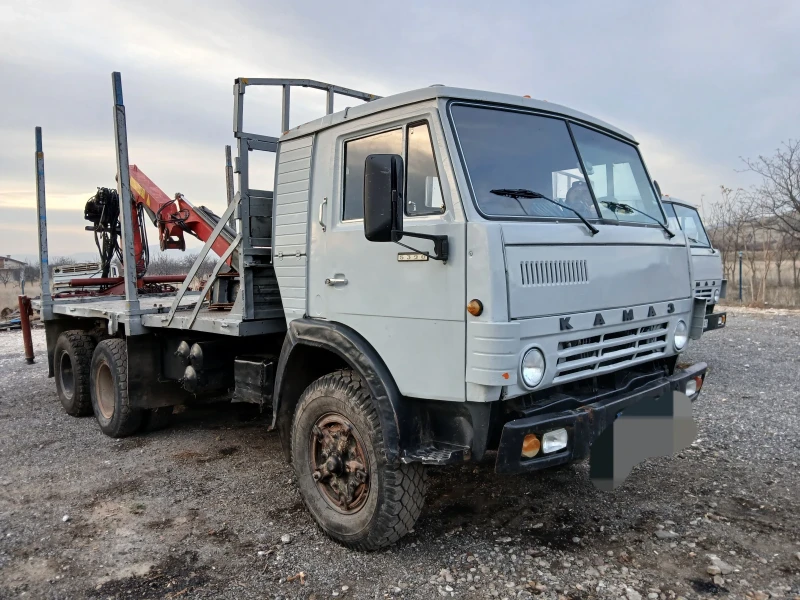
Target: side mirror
<point>383,206</point>
<point>383,197</point>
<point>658,189</point>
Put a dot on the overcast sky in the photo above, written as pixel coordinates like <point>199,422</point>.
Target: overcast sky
<point>699,84</point>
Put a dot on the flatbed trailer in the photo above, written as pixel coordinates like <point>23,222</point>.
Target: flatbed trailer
<point>436,276</point>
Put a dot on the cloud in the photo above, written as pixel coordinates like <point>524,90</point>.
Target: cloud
<point>699,84</point>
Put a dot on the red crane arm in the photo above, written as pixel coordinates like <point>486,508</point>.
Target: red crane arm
<point>172,216</point>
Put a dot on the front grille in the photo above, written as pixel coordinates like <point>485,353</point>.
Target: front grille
<point>600,353</point>
<point>553,272</point>
<point>706,293</point>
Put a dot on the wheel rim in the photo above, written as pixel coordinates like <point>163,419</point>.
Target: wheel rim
<point>66,375</point>
<point>339,464</point>
<point>104,389</point>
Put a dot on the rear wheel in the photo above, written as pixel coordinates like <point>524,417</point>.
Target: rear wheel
<point>109,390</point>
<point>72,360</point>
<point>338,455</point>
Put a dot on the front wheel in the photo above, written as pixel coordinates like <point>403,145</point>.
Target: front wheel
<point>338,455</point>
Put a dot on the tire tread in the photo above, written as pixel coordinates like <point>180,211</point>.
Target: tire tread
<point>404,484</point>
<point>82,348</point>
<point>130,419</point>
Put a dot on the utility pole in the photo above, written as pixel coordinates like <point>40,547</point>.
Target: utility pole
<point>741,254</point>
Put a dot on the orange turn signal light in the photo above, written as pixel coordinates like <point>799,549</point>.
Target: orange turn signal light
<point>530,446</point>
<point>475,307</point>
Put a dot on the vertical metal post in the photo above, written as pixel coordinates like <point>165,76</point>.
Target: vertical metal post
<point>329,102</point>
<point>241,168</point>
<point>124,191</point>
<point>285,109</point>
<point>41,213</point>
<point>25,311</point>
<point>741,254</point>
<point>229,182</point>
<point>245,274</point>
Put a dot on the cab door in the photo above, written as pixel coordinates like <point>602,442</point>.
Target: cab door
<point>409,307</point>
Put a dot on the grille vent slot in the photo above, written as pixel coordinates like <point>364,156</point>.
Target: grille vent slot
<point>553,272</point>
<point>599,352</point>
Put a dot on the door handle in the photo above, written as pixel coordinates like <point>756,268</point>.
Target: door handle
<point>335,281</point>
<point>321,209</point>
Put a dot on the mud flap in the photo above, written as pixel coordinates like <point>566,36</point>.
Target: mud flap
<point>659,426</point>
<point>698,318</point>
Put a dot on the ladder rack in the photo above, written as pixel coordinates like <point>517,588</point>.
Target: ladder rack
<point>255,207</point>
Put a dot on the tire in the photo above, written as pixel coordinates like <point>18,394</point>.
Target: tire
<point>388,499</point>
<point>72,361</point>
<point>109,390</point>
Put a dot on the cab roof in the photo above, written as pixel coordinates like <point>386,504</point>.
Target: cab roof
<point>673,200</point>
<point>436,92</point>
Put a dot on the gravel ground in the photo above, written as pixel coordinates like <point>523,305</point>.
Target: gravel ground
<point>209,509</point>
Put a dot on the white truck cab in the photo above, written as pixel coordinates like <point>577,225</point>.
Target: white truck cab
<point>709,280</point>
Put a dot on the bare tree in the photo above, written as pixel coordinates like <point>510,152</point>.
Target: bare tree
<point>164,264</point>
<point>31,272</point>
<point>205,269</point>
<point>6,277</point>
<point>794,256</point>
<point>728,226</point>
<point>779,190</point>
<point>781,253</point>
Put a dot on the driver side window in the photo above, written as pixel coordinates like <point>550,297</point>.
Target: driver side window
<point>423,193</point>
<point>423,190</point>
<point>355,155</point>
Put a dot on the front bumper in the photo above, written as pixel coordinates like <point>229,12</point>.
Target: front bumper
<point>716,320</point>
<point>583,424</point>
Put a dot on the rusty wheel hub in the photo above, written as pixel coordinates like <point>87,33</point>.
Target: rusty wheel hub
<point>339,464</point>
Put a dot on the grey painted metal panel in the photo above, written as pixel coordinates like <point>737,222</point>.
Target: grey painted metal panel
<point>706,266</point>
<point>495,350</point>
<point>708,274</point>
<point>154,315</point>
<point>618,276</point>
<point>492,353</point>
<point>411,312</point>
<point>290,222</point>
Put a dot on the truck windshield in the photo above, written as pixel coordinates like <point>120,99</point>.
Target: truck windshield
<point>690,223</point>
<point>510,149</point>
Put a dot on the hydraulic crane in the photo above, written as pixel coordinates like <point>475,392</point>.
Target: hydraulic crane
<point>172,216</point>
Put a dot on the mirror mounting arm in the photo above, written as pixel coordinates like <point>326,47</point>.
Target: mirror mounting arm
<point>441,245</point>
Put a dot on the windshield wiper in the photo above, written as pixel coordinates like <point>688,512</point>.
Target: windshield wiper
<point>516,194</point>
<point>628,209</point>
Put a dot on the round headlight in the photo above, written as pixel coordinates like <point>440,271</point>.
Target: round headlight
<point>533,367</point>
<point>716,295</point>
<point>681,335</point>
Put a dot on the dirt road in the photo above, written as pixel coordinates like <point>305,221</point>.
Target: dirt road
<point>199,510</point>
